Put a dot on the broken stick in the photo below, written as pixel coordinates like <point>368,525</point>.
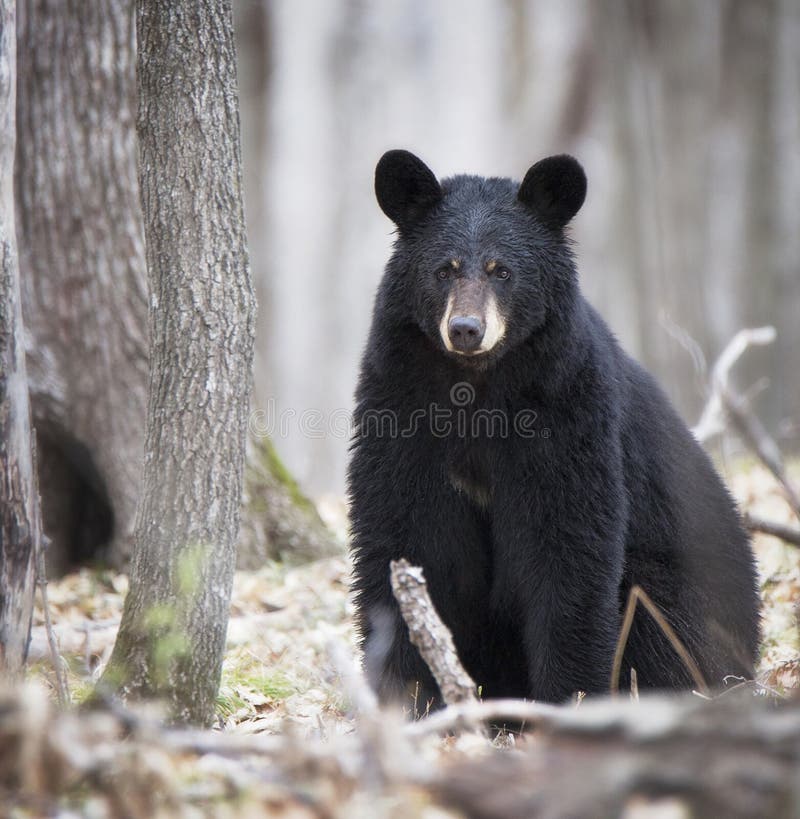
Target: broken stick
<point>429,634</point>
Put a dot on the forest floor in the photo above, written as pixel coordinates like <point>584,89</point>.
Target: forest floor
<point>288,624</point>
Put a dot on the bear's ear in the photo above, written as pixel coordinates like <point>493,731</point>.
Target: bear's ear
<point>405,187</point>
<point>554,189</point>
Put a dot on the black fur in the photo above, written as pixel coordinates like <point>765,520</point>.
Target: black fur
<point>554,188</point>
<point>405,187</point>
<point>529,542</point>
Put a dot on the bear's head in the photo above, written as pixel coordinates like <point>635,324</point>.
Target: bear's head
<point>483,262</point>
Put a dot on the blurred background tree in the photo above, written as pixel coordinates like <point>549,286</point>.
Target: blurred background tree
<point>81,258</point>
<point>685,114</point>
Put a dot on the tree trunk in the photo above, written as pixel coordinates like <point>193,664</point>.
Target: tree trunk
<point>202,317</point>
<point>20,524</point>
<point>83,270</point>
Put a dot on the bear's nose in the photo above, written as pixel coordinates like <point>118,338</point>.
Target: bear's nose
<point>466,333</point>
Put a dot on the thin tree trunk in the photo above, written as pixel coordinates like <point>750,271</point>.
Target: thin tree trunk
<point>83,269</point>
<point>202,318</point>
<point>20,524</point>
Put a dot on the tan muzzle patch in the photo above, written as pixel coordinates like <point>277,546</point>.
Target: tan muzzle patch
<point>476,300</point>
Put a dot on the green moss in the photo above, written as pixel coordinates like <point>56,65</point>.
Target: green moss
<point>159,617</point>
<point>190,569</point>
<point>270,463</point>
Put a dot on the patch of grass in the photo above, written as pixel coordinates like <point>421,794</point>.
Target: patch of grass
<point>229,702</point>
<point>276,685</point>
<point>79,685</point>
<point>80,691</point>
<point>246,682</point>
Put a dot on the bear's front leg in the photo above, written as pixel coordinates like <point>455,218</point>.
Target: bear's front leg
<point>416,514</point>
<point>558,562</point>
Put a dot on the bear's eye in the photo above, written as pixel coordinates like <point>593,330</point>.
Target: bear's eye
<point>501,273</point>
<point>443,273</point>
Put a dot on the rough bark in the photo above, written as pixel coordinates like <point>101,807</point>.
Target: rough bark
<point>83,269</point>
<point>20,523</point>
<point>202,317</point>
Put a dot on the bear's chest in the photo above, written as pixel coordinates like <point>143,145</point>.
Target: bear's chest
<point>470,474</point>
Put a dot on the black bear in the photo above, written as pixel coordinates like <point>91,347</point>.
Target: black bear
<point>505,442</point>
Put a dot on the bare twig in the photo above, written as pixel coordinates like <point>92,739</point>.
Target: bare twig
<point>726,405</point>
<point>636,595</point>
<point>429,634</point>
<point>683,337</point>
<point>712,419</point>
<point>768,527</point>
<point>41,580</point>
<point>756,437</point>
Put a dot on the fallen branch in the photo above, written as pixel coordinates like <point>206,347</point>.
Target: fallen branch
<point>429,634</point>
<point>734,756</point>
<point>471,715</point>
